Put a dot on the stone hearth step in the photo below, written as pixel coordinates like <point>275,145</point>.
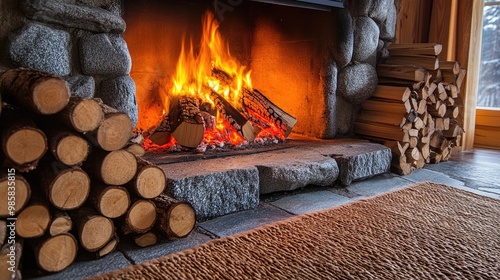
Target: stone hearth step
<point>219,186</point>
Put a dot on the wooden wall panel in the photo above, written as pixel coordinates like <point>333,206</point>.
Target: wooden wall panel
<point>413,21</point>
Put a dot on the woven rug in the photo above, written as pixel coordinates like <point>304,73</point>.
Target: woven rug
<point>425,231</point>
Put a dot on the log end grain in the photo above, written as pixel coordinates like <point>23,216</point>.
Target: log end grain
<point>182,219</point>
<point>96,232</point>
<point>151,182</point>
<point>118,168</point>
<point>33,221</point>
<point>51,96</point>
<point>70,189</point>
<point>60,225</point>
<point>26,145</point>
<point>114,132</point>
<point>146,239</point>
<point>72,150</point>
<point>87,115</point>
<point>189,134</point>
<point>114,202</point>
<point>140,217</point>
<point>57,252</point>
<point>22,195</point>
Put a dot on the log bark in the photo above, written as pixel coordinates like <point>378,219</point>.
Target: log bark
<point>34,90</point>
<point>94,230</point>
<point>112,168</point>
<point>55,253</point>
<point>83,115</point>
<point>109,201</point>
<point>149,182</point>
<point>185,121</point>
<point>23,143</point>
<point>140,217</point>
<point>176,219</point>
<point>16,185</point>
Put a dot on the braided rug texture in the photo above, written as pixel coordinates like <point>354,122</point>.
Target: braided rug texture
<point>425,231</point>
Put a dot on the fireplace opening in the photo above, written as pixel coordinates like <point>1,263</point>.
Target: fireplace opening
<point>292,56</point>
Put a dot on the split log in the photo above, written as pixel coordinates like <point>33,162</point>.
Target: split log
<point>34,90</point>
<point>67,147</point>
<point>149,182</point>
<point>33,221</point>
<point>259,107</point>
<point>430,49</point>
<point>185,121</point>
<point>23,143</point>
<point>83,115</point>
<point>426,62</point>
<point>109,201</point>
<point>147,239</point>
<point>104,251</point>
<point>403,72</point>
<point>61,222</point>
<point>237,121</point>
<point>55,253</point>
<point>390,132</point>
<point>112,168</point>
<point>161,134</point>
<point>66,188</point>
<point>115,130</point>
<point>388,107</point>
<point>176,219</point>
<point>380,117</point>
<point>10,260</point>
<point>393,93</point>
<point>15,191</point>
<point>140,217</point>
<point>94,230</point>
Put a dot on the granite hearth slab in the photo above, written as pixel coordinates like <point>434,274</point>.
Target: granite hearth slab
<point>217,186</point>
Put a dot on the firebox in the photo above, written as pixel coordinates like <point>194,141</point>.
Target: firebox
<point>315,61</point>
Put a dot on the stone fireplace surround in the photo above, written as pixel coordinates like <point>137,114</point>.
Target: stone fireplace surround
<point>83,41</point>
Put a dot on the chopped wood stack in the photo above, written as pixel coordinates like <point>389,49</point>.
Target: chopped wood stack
<point>416,109</point>
<point>91,184</point>
<point>188,117</point>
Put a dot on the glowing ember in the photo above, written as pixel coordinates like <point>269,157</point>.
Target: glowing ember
<point>214,91</point>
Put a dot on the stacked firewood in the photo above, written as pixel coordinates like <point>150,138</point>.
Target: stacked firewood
<point>416,108</point>
<point>189,117</point>
<point>72,178</point>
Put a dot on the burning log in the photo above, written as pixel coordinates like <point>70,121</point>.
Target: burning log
<point>234,117</point>
<point>185,121</point>
<point>176,219</point>
<point>259,106</point>
<point>34,90</point>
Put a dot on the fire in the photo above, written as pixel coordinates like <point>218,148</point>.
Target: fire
<point>194,71</point>
<point>211,77</point>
